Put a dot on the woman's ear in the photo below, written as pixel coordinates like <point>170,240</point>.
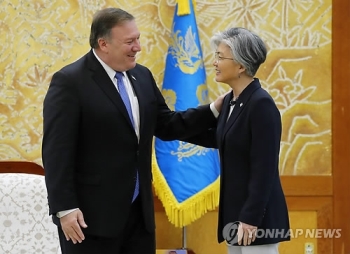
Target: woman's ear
<point>241,68</point>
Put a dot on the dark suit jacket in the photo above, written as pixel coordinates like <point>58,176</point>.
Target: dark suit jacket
<point>249,144</point>
<point>90,150</point>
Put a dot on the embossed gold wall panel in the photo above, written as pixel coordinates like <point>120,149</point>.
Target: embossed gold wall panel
<point>39,37</point>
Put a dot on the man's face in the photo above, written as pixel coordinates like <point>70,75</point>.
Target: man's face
<point>122,46</point>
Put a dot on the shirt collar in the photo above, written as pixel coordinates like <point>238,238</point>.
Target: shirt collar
<point>109,70</point>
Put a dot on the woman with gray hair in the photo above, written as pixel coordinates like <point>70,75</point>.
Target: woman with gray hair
<point>253,215</point>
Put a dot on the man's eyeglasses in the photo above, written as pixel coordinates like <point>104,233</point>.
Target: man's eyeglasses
<point>217,57</point>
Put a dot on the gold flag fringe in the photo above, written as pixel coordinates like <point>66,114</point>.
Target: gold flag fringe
<point>186,212</point>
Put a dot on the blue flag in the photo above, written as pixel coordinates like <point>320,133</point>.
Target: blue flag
<point>186,176</point>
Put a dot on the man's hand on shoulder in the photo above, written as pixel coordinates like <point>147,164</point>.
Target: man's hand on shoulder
<point>220,100</point>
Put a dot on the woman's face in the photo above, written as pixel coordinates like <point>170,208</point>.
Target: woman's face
<point>227,69</point>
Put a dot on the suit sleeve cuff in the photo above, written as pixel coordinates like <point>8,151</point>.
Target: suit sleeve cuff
<point>65,212</point>
<point>214,110</point>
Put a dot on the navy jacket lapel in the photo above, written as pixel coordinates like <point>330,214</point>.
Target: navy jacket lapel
<point>135,82</point>
<point>234,114</point>
<point>241,102</point>
<point>101,78</point>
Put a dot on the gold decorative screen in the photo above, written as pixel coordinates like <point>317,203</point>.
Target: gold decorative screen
<point>39,37</point>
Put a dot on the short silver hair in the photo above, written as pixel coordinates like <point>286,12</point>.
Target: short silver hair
<point>247,48</point>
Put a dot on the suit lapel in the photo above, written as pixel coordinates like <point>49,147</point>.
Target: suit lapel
<point>234,114</point>
<point>135,82</point>
<point>101,78</point>
<point>241,102</point>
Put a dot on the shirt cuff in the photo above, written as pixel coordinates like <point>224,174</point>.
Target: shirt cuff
<point>214,110</point>
<point>65,212</point>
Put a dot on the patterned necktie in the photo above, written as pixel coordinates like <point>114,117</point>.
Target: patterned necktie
<point>125,97</point>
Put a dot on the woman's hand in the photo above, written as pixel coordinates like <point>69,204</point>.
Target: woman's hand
<point>246,234</point>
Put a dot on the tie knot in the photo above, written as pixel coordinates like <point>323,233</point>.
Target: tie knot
<point>119,75</point>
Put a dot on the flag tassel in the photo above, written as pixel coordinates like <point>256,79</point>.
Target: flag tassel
<point>183,7</point>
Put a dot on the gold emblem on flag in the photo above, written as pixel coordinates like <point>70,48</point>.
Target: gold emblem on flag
<point>185,51</point>
<point>170,98</point>
<point>202,94</point>
<point>185,150</point>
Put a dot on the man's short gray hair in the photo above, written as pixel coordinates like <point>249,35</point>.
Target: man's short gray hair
<point>104,21</point>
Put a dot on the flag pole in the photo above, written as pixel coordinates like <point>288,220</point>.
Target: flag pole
<point>184,237</point>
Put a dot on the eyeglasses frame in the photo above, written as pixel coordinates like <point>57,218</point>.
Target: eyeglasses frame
<point>218,58</point>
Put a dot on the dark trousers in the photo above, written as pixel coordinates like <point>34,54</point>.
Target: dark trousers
<point>135,239</point>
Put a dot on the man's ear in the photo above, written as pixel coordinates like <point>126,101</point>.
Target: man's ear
<point>102,43</point>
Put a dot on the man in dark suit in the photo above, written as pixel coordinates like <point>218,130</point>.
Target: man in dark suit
<point>100,115</point>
